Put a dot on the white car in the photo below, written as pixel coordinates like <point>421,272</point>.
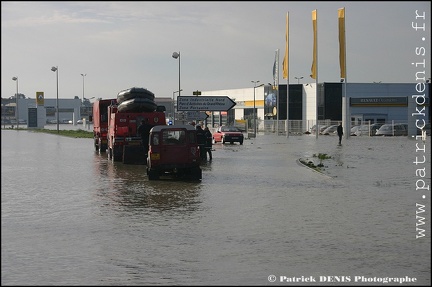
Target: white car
<point>331,130</point>
<point>392,130</point>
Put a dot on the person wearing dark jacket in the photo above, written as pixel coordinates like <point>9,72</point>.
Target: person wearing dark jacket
<point>340,132</point>
<point>144,131</point>
<point>209,142</point>
<point>201,138</point>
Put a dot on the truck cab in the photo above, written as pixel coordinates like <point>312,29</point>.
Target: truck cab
<point>124,141</point>
<point>173,151</point>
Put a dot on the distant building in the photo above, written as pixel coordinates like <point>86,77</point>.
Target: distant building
<point>69,109</point>
<point>374,102</point>
<point>367,102</point>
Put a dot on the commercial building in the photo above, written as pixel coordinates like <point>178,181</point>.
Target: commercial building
<point>266,106</point>
<point>70,110</point>
<point>366,102</point>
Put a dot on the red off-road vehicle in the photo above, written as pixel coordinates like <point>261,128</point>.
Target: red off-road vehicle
<point>174,152</point>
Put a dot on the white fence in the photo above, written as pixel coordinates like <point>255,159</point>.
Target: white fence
<point>297,127</point>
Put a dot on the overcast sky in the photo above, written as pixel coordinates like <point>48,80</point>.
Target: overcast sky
<point>222,45</point>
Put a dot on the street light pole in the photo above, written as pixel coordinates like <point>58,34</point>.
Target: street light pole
<point>254,115</point>
<point>16,102</point>
<point>55,69</point>
<point>173,105</point>
<point>83,75</point>
<point>176,55</point>
<point>298,79</point>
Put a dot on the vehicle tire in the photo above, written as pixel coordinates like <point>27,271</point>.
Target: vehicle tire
<point>117,155</point>
<point>195,173</point>
<point>213,141</point>
<point>241,142</point>
<point>100,146</point>
<point>96,145</point>
<point>152,174</point>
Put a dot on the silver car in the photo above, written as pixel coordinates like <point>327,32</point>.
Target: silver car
<point>331,130</point>
<point>353,130</point>
<point>393,130</point>
<point>365,130</point>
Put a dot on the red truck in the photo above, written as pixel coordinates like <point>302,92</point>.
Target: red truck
<point>124,142</point>
<point>100,124</point>
<point>116,131</point>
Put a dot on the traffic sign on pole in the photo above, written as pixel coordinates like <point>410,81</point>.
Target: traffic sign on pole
<point>195,115</point>
<point>204,103</point>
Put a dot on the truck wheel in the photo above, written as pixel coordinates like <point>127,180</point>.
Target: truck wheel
<point>152,174</point>
<point>96,145</point>
<point>117,154</point>
<point>101,147</point>
<point>195,173</point>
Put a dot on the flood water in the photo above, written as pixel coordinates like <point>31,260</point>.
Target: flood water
<point>71,217</point>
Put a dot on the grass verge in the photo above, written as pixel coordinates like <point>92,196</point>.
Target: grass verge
<point>68,133</point>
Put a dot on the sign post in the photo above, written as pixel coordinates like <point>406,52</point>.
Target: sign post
<point>194,115</point>
<point>204,103</point>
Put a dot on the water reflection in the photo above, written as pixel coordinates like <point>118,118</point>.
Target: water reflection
<point>72,217</point>
<point>127,188</point>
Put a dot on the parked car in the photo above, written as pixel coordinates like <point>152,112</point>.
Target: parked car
<point>353,130</point>
<point>392,130</point>
<point>331,130</point>
<point>321,128</point>
<point>365,130</point>
<point>229,134</point>
<point>426,129</point>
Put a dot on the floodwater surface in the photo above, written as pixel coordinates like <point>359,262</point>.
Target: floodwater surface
<point>72,217</point>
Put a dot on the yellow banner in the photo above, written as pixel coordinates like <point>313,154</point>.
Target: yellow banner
<point>342,48</point>
<point>39,98</point>
<point>259,103</point>
<point>314,25</point>
<point>285,61</point>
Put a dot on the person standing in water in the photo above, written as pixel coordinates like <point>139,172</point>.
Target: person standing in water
<point>209,142</point>
<point>340,132</point>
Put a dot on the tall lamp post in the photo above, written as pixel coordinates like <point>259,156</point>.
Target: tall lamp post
<point>55,69</point>
<point>173,105</point>
<point>176,55</point>
<point>16,102</point>
<point>83,75</point>
<point>298,79</point>
<point>254,115</point>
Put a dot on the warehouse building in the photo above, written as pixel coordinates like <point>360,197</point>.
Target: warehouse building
<point>367,103</point>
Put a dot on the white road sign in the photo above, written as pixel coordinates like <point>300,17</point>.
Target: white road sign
<point>195,115</point>
<point>204,103</point>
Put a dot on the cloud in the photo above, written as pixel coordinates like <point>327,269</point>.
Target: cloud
<point>223,45</point>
